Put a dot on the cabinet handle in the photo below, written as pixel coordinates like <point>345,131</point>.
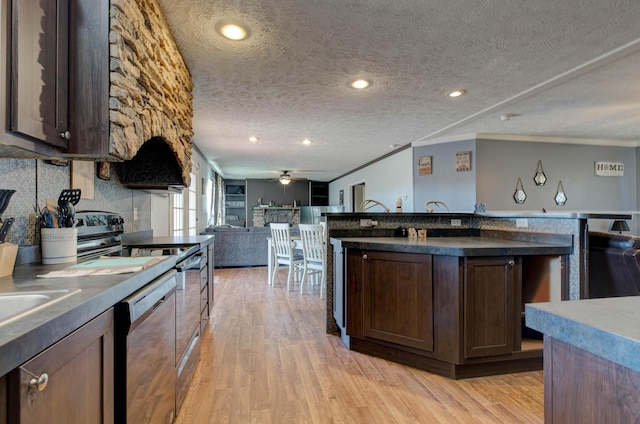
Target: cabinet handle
<point>511,263</point>
<point>37,382</point>
<point>365,256</point>
<point>65,135</point>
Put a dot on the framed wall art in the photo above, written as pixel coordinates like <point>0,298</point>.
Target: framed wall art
<point>104,170</point>
<point>424,165</point>
<point>463,161</point>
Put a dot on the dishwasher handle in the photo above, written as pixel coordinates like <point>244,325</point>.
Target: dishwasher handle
<point>195,261</point>
<point>149,297</point>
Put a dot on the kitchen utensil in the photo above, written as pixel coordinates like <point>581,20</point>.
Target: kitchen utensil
<point>5,196</point>
<point>67,212</point>
<point>72,196</point>
<point>51,205</point>
<point>6,225</point>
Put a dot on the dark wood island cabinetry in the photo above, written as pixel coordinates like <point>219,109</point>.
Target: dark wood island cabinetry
<point>438,305</point>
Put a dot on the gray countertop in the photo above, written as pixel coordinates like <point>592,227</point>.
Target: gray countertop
<point>26,336</point>
<point>609,328</point>
<point>456,246</point>
<point>202,241</point>
<point>23,337</point>
<point>499,214</point>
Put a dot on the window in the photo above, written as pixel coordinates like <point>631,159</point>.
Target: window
<point>192,229</point>
<point>178,214</point>
<point>184,214</point>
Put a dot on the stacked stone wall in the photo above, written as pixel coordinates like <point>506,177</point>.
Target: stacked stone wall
<point>151,90</point>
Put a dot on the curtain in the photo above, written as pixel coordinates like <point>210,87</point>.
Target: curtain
<point>216,216</point>
<point>220,199</point>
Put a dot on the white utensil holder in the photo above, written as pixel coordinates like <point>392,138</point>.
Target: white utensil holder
<point>59,245</point>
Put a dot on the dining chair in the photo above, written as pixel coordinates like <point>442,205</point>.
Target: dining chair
<point>314,253</point>
<point>284,252</point>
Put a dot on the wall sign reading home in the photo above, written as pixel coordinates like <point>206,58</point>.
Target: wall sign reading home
<point>609,169</point>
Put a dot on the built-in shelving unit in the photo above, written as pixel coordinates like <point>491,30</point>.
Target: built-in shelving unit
<point>235,202</point>
<point>318,193</point>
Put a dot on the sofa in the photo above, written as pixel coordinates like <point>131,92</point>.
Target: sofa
<point>614,265</point>
<point>241,246</point>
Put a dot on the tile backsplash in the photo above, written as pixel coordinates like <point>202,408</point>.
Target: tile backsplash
<point>36,180</point>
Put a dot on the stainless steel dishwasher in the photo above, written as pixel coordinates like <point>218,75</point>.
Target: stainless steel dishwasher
<point>145,354</point>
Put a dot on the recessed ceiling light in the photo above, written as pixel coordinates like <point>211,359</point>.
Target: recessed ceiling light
<point>232,31</point>
<point>456,93</point>
<point>253,139</point>
<point>307,142</point>
<point>360,84</point>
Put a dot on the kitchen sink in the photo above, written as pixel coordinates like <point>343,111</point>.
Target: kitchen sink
<point>13,305</point>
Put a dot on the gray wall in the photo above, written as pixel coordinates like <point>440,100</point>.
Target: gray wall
<point>456,189</point>
<point>276,192</point>
<point>500,163</point>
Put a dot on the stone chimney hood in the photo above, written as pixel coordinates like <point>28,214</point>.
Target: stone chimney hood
<point>150,99</point>
<point>154,169</point>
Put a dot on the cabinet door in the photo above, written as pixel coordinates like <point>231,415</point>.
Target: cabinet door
<point>398,298</point>
<point>489,306</point>
<point>210,267</point>
<point>80,379</point>
<point>3,400</point>
<point>39,70</point>
<point>338,286</point>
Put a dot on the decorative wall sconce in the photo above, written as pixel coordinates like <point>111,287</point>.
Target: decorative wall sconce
<point>561,197</point>
<point>540,178</point>
<point>519,196</point>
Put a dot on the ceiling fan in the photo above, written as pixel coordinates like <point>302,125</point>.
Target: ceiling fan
<point>286,178</point>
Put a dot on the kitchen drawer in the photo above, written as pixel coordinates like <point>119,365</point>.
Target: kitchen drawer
<point>204,298</point>
<point>204,277</point>
<point>204,319</point>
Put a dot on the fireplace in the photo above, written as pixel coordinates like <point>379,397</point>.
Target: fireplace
<point>263,216</point>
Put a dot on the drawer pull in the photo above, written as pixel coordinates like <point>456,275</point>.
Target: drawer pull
<point>365,256</point>
<point>37,382</point>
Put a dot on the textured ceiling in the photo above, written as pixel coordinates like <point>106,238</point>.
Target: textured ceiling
<point>566,69</point>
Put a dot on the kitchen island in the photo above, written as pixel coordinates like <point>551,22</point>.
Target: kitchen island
<point>449,305</point>
<point>591,359</point>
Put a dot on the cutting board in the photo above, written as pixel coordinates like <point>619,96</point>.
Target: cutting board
<point>117,261</point>
<point>82,177</point>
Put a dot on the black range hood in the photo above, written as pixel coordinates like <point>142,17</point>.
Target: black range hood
<point>153,169</point>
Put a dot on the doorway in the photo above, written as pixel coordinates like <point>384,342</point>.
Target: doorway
<point>357,197</point>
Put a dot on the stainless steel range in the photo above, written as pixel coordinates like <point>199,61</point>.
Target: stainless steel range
<point>99,234</point>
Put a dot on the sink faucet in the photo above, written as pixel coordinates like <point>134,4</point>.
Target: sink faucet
<point>437,203</point>
<point>368,204</point>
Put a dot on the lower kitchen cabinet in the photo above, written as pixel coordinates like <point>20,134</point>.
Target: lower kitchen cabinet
<point>397,298</point>
<point>3,400</point>
<point>490,306</point>
<point>454,316</point>
<point>70,382</point>
<point>210,267</point>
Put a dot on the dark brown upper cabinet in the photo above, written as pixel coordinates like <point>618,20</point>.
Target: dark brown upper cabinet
<point>59,75</point>
<point>39,69</point>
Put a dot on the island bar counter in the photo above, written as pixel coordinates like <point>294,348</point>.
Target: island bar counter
<point>449,305</point>
<point>591,359</point>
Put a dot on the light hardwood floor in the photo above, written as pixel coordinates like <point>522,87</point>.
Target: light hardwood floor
<point>266,359</point>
